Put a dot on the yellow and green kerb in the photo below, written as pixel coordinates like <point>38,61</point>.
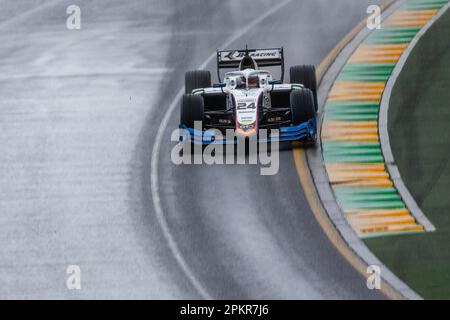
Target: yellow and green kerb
<point>350,142</point>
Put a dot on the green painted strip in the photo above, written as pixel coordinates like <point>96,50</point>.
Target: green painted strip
<point>333,105</point>
<point>354,152</point>
<point>366,71</point>
<point>351,117</point>
<point>383,234</point>
<point>364,77</point>
<point>377,68</point>
<point>368,198</point>
<point>392,35</point>
<point>370,205</point>
<point>356,198</point>
<point>424,4</point>
<point>364,191</point>
<point>351,110</point>
<point>352,145</point>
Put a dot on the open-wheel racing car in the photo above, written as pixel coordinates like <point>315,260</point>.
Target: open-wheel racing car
<point>249,99</point>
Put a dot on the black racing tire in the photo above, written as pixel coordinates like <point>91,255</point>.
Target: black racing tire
<point>302,106</point>
<point>305,75</point>
<point>192,109</point>
<point>197,79</point>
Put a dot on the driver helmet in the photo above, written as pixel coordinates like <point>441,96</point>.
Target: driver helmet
<point>253,82</point>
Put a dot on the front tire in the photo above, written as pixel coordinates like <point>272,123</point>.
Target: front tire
<point>302,106</point>
<point>192,109</point>
<point>197,79</point>
<point>305,75</point>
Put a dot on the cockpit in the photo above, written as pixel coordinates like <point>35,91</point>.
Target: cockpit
<point>247,80</point>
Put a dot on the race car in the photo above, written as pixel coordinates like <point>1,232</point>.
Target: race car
<point>249,99</point>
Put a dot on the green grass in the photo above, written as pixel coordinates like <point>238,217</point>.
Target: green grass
<point>419,130</point>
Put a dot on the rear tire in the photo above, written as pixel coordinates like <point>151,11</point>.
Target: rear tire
<point>305,75</point>
<point>197,79</point>
<point>302,106</point>
<point>192,109</point>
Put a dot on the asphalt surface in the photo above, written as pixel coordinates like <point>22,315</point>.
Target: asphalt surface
<point>79,113</point>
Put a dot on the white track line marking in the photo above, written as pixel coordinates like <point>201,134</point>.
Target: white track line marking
<point>155,159</point>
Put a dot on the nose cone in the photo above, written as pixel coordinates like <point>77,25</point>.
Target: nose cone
<point>247,130</point>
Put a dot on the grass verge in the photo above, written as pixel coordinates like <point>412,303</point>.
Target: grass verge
<point>419,131</point>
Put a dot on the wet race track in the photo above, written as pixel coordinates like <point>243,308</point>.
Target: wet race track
<point>86,174</point>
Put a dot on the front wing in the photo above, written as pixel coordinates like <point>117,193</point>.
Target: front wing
<point>304,131</point>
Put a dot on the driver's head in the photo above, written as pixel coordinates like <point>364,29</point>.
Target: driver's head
<point>253,82</point>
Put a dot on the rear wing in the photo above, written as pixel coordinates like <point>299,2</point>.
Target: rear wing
<point>230,59</point>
